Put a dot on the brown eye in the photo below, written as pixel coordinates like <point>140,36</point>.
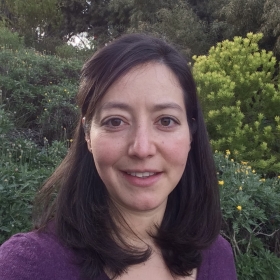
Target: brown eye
<point>115,122</point>
<point>166,121</point>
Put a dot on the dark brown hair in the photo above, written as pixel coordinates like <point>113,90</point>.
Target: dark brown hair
<point>81,207</point>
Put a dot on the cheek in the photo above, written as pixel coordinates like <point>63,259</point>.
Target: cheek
<point>179,150</point>
<point>105,151</point>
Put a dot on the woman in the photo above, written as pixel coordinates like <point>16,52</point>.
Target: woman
<point>136,197</point>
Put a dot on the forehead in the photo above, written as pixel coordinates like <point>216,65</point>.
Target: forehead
<point>152,82</point>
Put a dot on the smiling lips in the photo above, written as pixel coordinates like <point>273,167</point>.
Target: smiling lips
<point>142,179</point>
<point>141,174</point>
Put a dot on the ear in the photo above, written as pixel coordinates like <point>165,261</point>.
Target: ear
<point>87,136</point>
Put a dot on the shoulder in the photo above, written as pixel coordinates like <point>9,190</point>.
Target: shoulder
<point>218,262</point>
<point>36,255</point>
<point>222,246</point>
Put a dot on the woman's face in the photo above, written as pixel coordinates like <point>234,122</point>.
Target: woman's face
<point>140,139</point>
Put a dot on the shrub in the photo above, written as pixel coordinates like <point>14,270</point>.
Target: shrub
<point>5,122</point>
<point>40,90</point>
<point>239,91</point>
<point>66,51</point>
<point>9,39</point>
<point>23,168</point>
<point>251,218</point>
<point>69,51</point>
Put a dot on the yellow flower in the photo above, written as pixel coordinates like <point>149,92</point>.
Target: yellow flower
<point>254,171</point>
<point>240,188</point>
<point>279,176</point>
<point>227,152</point>
<point>232,160</point>
<point>262,180</point>
<point>239,207</point>
<point>221,183</point>
<point>244,162</point>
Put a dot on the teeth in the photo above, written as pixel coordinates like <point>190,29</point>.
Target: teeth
<point>141,174</point>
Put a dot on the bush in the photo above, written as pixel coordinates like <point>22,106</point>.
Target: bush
<point>239,91</point>
<point>10,40</point>
<point>69,51</point>
<point>40,90</point>
<point>251,218</point>
<point>23,168</point>
<point>66,51</point>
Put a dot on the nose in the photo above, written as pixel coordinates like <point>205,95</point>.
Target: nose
<point>142,142</point>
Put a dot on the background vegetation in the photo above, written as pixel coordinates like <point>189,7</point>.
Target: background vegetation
<point>237,74</point>
<point>239,89</point>
<point>193,25</point>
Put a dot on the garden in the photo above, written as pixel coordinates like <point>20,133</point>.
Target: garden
<point>239,88</point>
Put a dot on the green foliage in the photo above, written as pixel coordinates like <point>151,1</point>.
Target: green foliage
<point>242,16</point>
<point>66,51</point>
<point>193,25</point>
<point>238,89</point>
<point>262,266</point>
<point>10,39</point>
<point>40,90</point>
<point>270,26</point>
<point>69,52</point>
<point>5,122</point>
<point>251,218</point>
<point>23,168</point>
<point>32,18</point>
<point>181,25</point>
<point>91,16</point>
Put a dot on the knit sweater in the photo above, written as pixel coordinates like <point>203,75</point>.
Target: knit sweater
<point>41,256</point>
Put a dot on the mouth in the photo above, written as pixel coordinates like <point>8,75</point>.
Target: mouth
<point>143,178</point>
<point>141,174</point>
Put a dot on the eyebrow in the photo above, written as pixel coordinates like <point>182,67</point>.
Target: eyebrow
<point>169,105</point>
<point>126,107</point>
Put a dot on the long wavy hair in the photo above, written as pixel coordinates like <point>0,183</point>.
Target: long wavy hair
<point>77,200</point>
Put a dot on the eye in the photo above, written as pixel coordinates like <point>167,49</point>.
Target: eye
<point>114,122</point>
<point>167,121</point>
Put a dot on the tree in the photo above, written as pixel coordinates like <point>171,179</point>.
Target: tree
<point>37,21</point>
<point>271,25</point>
<point>238,17</point>
<point>193,25</point>
<point>85,16</point>
<point>40,17</point>
<point>239,91</point>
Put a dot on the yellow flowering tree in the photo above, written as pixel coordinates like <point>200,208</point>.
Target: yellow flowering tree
<point>239,90</point>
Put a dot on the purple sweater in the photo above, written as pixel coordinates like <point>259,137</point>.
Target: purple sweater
<point>28,256</point>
